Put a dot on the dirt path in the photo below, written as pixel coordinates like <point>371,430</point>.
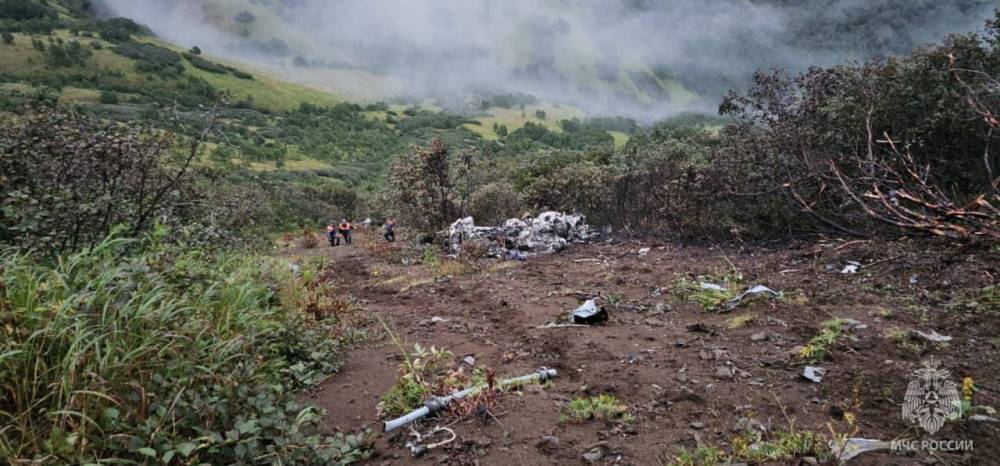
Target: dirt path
<point>689,377</point>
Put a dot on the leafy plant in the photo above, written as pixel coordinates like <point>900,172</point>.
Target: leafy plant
<point>602,407</point>
<point>819,347</point>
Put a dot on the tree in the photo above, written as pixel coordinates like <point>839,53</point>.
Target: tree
<point>540,114</point>
<point>420,188</point>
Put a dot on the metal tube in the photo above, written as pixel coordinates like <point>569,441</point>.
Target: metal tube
<point>438,403</point>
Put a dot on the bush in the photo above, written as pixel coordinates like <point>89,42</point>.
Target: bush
<point>577,187</point>
<point>420,188</point>
<point>495,202</point>
<point>7,37</point>
<point>161,355</point>
<point>68,180</point>
<point>151,58</point>
<point>21,10</point>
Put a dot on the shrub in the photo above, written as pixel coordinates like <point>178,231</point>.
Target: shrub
<point>7,37</point>
<point>421,190</point>
<point>162,355</point>
<point>69,179</point>
<point>150,58</point>
<point>495,202</point>
<point>578,186</point>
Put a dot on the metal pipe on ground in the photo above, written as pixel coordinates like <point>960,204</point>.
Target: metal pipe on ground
<point>436,404</point>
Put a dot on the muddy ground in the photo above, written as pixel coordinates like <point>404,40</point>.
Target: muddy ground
<point>689,377</point>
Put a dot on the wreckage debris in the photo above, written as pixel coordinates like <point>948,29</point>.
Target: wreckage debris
<point>590,314</point>
<point>754,291</point>
<point>813,374</point>
<point>516,238</point>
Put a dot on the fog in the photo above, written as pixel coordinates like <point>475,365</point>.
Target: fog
<point>642,58</point>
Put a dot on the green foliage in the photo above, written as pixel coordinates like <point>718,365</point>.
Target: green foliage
<point>603,407</point>
<point>820,346</point>
<point>703,455</point>
<point>413,382</point>
<point>709,298</point>
<point>495,202</point>
<point>162,355</point>
<point>781,445</point>
<point>7,37</point>
<point>71,54</point>
<point>421,188</point>
<point>151,58</point>
<point>21,10</point>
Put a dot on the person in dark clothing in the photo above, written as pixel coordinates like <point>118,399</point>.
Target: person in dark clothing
<point>390,230</point>
<point>345,230</point>
<point>331,235</point>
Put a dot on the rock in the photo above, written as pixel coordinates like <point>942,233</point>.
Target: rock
<point>697,425</point>
<point>548,443</point>
<point>724,373</point>
<point>760,336</point>
<point>437,319</point>
<point>661,308</point>
<point>594,456</point>
<point>682,375</point>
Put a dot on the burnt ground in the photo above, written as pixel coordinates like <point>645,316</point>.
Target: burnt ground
<point>661,354</point>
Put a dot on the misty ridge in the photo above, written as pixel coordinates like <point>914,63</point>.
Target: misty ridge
<point>641,58</point>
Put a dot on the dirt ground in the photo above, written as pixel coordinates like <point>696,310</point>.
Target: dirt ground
<point>689,377</point>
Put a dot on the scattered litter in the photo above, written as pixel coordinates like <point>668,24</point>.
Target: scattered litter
<point>856,446</point>
<point>913,279</point>
<point>982,418</point>
<point>417,449</point>
<point>515,255</point>
<point>759,336</point>
<point>643,251</point>
<point>470,360</point>
<point>933,336</point>
<point>851,267</point>
<point>437,319</point>
<point>590,314</point>
<point>813,374</point>
<point>755,291</point>
<point>711,286</point>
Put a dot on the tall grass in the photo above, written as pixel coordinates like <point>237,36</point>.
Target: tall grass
<point>159,356</point>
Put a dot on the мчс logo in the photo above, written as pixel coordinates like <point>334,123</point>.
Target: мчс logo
<point>930,398</point>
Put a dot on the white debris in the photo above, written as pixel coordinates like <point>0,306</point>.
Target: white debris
<point>470,360</point>
<point>643,251</point>
<point>711,286</point>
<point>933,336</point>
<point>754,291</point>
<point>813,374</point>
<point>549,232</point>
<point>856,446</point>
<point>851,267</point>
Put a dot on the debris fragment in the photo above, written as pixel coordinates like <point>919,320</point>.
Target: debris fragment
<point>932,336</point>
<point>754,291</point>
<point>724,372</point>
<point>470,360</point>
<point>643,251</point>
<point>711,286</point>
<point>851,267</point>
<point>813,374</point>
<point>589,314</point>
<point>853,447</point>
<point>549,232</point>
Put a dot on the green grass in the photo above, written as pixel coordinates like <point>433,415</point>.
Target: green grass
<point>513,119</point>
<point>708,299</point>
<point>819,347</point>
<point>136,353</point>
<point>703,455</point>
<point>602,407</point>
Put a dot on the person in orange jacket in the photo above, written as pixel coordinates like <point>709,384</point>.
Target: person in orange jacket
<point>345,230</point>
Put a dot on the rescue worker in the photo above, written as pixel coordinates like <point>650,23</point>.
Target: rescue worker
<point>345,230</point>
<point>390,230</point>
<point>331,234</point>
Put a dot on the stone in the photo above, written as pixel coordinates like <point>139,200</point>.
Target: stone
<point>724,373</point>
